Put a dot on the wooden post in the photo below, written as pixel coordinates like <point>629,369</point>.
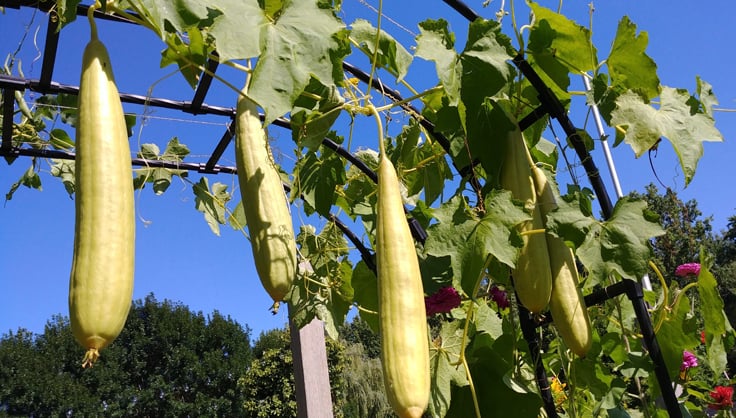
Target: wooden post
<point>311,378</point>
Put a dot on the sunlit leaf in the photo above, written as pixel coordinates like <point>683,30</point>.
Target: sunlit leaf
<point>446,372</point>
<point>302,43</point>
<point>622,243</point>
<point>629,65</point>
<point>436,43</point>
<point>389,54</point>
<point>237,30</point>
<point>686,128</point>
<point>211,202</point>
<point>715,321</point>
<point>317,178</point>
<point>555,34</point>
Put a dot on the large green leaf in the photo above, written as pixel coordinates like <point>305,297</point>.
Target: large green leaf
<point>303,42</point>
<point>446,372</point>
<point>436,43</point>
<point>570,43</point>
<point>365,285</point>
<point>678,332</point>
<point>618,245</point>
<point>422,164</point>
<point>469,240</point>
<point>629,65</point>
<point>316,179</point>
<point>313,115</point>
<point>714,318</point>
<point>237,30</point>
<point>679,119</point>
<point>468,78</point>
<point>389,54</point>
<point>499,394</point>
<point>486,67</point>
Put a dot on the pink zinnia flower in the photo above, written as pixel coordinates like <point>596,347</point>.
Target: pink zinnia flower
<point>444,300</point>
<point>688,360</point>
<point>687,269</point>
<point>722,397</point>
<point>500,297</point>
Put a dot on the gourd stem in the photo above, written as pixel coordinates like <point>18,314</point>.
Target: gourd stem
<point>92,23</point>
<point>381,147</point>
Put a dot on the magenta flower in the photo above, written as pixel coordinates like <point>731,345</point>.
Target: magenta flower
<point>442,301</point>
<point>688,360</point>
<point>500,297</point>
<point>687,269</point>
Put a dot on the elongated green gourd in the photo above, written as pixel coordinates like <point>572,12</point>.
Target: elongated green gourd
<point>401,311</point>
<point>266,207</point>
<point>101,283</point>
<point>532,274</point>
<point>569,313</point>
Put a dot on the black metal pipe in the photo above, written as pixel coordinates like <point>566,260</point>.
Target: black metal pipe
<point>462,8</point>
<point>528,330</point>
<point>49,49</point>
<point>139,162</point>
<point>204,84</point>
<point>635,293</point>
<point>557,111</point>
<point>221,146</point>
<point>365,254</point>
<point>17,83</point>
<point>8,107</point>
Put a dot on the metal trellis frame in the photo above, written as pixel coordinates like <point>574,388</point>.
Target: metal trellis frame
<point>550,106</point>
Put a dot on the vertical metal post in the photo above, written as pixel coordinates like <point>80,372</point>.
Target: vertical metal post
<point>609,160</point>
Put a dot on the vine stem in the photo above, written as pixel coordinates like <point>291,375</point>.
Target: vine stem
<point>409,99</point>
<point>533,231</point>
<point>665,293</point>
<point>472,389</point>
<point>363,309</point>
<point>374,59</point>
<point>682,292</point>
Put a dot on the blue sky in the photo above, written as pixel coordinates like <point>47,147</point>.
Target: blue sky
<point>179,258</point>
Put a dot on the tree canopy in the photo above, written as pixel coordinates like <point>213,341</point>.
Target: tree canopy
<point>167,362</point>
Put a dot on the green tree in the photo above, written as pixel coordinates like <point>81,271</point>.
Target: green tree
<point>365,396</point>
<point>686,230</point>
<point>725,257</point>
<point>167,362</point>
<point>268,385</point>
<point>358,331</point>
<point>363,382</point>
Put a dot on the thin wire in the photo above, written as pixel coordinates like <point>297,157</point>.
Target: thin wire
<point>142,115</point>
<point>384,16</point>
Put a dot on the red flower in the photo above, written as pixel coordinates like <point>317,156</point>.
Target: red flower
<point>444,300</point>
<point>722,397</point>
<point>702,337</point>
<point>500,297</point>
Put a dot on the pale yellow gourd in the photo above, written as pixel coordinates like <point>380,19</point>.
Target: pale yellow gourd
<point>101,282</point>
<point>401,311</point>
<point>264,201</point>
<point>567,306</point>
<point>532,274</point>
